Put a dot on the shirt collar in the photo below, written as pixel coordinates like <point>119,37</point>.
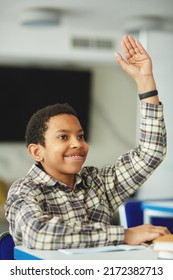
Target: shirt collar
<point>39,176</point>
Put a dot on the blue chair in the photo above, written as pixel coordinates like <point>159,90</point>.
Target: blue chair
<point>6,246</point>
<point>130,213</point>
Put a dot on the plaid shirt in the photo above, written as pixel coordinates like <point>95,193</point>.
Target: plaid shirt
<point>45,214</point>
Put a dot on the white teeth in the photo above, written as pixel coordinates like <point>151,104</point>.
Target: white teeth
<point>75,156</point>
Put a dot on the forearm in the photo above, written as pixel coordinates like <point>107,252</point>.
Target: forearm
<point>52,234</point>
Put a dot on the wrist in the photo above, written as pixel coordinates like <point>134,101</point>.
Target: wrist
<point>146,84</point>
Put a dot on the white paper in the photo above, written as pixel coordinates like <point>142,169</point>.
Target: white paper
<point>122,247</point>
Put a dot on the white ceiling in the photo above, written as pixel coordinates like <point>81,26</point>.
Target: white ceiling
<point>90,14</point>
<point>95,16</point>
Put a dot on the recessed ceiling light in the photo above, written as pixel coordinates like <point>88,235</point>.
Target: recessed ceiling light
<point>41,17</point>
<point>136,24</point>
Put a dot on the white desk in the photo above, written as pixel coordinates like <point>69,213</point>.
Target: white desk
<point>157,209</point>
<point>23,253</point>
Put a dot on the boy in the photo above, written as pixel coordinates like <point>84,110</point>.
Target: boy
<point>59,204</point>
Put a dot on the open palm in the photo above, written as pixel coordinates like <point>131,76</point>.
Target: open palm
<point>138,63</point>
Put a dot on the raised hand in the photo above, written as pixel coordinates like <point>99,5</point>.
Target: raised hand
<point>138,65</point>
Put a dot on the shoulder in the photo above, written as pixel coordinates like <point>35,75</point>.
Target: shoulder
<point>27,185</point>
<point>21,187</point>
<point>105,174</point>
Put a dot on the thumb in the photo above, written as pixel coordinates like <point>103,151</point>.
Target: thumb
<point>121,61</point>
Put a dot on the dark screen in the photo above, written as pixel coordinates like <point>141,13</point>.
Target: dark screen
<point>25,90</point>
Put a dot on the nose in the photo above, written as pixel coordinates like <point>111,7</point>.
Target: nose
<point>75,143</point>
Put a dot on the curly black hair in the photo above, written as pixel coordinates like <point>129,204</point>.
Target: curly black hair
<point>37,124</point>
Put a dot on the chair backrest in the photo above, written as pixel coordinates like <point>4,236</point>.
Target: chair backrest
<point>6,246</point>
<point>130,213</point>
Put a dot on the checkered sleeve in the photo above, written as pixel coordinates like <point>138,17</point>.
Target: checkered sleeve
<point>152,141</point>
<point>134,167</point>
<point>33,227</point>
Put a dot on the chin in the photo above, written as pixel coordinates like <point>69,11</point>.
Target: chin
<point>74,171</point>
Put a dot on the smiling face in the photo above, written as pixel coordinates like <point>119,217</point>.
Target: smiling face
<point>65,149</point>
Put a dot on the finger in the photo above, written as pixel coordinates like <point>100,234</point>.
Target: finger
<point>151,227</point>
<point>125,49</point>
<point>155,232</point>
<point>140,47</point>
<point>137,47</point>
<point>121,61</point>
<point>161,230</point>
<point>132,41</point>
<point>118,56</point>
<point>130,45</point>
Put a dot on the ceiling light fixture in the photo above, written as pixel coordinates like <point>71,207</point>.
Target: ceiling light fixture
<point>41,17</point>
<point>136,24</point>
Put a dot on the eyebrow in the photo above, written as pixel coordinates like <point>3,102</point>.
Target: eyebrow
<point>66,130</point>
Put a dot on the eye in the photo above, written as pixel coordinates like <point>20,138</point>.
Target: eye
<point>81,137</point>
<point>62,137</point>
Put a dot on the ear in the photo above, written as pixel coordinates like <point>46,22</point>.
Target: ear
<point>35,151</point>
